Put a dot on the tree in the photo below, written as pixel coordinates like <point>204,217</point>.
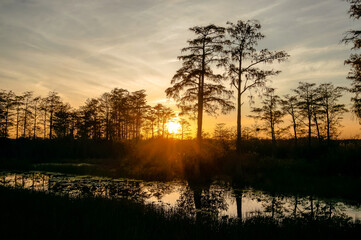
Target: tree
<point>139,102</point>
<point>35,103</point>
<point>167,115</point>
<point>196,88</point>
<point>119,99</point>
<point>305,95</point>
<point>105,109</point>
<point>354,36</point>
<point>7,103</point>
<point>289,106</point>
<point>18,102</point>
<point>159,108</point>
<point>316,112</point>
<point>242,69</point>
<point>53,102</point>
<point>330,108</point>
<point>221,132</point>
<point>27,97</point>
<point>270,113</point>
<point>89,124</point>
<point>62,120</point>
<point>44,108</point>
<point>2,109</point>
<point>184,128</point>
<point>151,117</point>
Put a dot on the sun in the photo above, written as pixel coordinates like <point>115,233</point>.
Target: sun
<point>173,127</point>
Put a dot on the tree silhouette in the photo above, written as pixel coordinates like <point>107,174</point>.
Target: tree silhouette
<point>27,96</point>
<point>184,128</point>
<point>159,108</point>
<point>354,60</point>
<point>139,102</point>
<point>316,112</point>
<point>119,113</point>
<point>221,132</point>
<point>150,117</point>
<point>90,120</point>
<point>7,105</point>
<point>270,113</point>
<point>35,103</point>
<point>243,68</point>
<point>44,109</point>
<point>18,102</point>
<point>53,102</point>
<point>105,111</point>
<point>62,120</point>
<point>290,107</point>
<point>167,115</point>
<point>196,88</point>
<point>305,95</point>
<point>2,110</point>
<point>330,108</point>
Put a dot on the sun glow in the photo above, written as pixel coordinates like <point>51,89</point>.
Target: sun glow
<point>173,127</point>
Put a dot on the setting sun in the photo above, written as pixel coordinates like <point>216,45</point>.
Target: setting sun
<point>173,127</point>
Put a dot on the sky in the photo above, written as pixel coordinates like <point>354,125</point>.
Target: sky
<point>84,48</point>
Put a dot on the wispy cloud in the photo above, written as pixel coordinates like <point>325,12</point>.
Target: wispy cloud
<point>83,48</point>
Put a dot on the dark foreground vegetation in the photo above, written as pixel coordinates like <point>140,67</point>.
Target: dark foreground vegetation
<point>39,215</point>
<point>328,170</point>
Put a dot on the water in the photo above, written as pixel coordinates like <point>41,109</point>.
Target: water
<point>218,199</point>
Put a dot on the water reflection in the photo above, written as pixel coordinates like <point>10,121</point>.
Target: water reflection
<point>199,200</point>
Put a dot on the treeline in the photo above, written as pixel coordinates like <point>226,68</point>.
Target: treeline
<point>313,111</point>
<point>116,115</point>
<point>310,112</point>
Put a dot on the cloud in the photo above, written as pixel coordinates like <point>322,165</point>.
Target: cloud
<point>83,48</point>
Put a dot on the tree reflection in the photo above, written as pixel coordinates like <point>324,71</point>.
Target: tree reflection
<point>199,199</point>
<point>238,195</point>
<point>202,200</point>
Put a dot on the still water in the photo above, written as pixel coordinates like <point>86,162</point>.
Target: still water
<point>219,199</point>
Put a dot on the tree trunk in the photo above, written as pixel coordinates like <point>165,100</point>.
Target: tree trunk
<point>294,125</point>
<point>309,128</point>
<point>317,127</point>
<point>107,124</point>
<point>200,110</point>
<point>17,123</point>
<point>34,135</point>
<point>44,124</point>
<point>200,98</point>
<point>152,130</point>
<point>239,122</point>
<point>328,126</point>
<point>238,196</point>
<point>163,128</point>
<point>51,125</point>
<point>273,207</point>
<point>295,208</point>
<point>273,135</point>
<point>311,206</point>
<point>6,121</point>
<point>239,106</point>
<point>25,118</point>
